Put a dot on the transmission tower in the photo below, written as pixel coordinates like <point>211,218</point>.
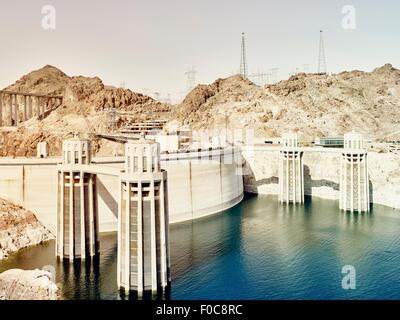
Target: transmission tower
<point>243,60</point>
<point>113,119</point>
<point>273,75</point>
<point>321,58</point>
<point>191,79</point>
<point>168,98</point>
<point>306,67</point>
<point>157,96</point>
<point>259,78</point>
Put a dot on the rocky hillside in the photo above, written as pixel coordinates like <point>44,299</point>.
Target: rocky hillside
<point>86,109</point>
<point>310,104</point>
<point>19,228</point>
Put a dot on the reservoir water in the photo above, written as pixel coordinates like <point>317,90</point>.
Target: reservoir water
<point>256,250</point>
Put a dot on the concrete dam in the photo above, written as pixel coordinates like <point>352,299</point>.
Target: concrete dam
<point>140,194</point>
<point>200,183</point>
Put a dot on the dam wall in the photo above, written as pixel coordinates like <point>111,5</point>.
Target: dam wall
<point>322,173</point>
<point>197,187</point>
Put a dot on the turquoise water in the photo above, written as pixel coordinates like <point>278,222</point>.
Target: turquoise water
<point>256,250</point>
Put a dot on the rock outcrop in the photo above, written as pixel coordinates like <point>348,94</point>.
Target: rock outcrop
<point>19,228</point>
<point>17,284</point>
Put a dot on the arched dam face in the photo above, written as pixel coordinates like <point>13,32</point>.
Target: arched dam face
<point>196,187</point>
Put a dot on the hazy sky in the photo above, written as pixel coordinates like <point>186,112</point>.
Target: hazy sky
<point>150,44</point>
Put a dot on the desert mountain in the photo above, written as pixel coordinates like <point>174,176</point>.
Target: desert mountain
<point>86,109</point>
<point>310,104</point>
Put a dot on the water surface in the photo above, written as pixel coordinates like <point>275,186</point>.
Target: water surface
<point>256,250</point>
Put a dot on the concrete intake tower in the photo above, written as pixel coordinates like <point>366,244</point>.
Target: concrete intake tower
<point>143,224</point>
<point>291,180</point>
<point>354,181</point>
<point>77,213</point>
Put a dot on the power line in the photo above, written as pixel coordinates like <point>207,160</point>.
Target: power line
<point>273,75</point>
<point>259,78</point>
<point>191,79</point>
<point>113,119</point>
<point>306,68</point>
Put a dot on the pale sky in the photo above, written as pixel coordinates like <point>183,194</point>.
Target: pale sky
<point>149,44</point>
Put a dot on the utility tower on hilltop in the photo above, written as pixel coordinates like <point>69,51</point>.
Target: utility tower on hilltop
<point>113,119</point>
<point>243,60</point>
<point>273,75</point>
<point>321,58</point>
<point>259,78</point>
<point>191,79</point>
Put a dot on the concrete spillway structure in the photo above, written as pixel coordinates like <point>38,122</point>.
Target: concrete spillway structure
<point>77,213</point>
<point>143,248</point>
<point>354,182</point>
<point>291,179</point>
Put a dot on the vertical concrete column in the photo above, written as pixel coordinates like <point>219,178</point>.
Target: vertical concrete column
<point>291,179</point>
<point>16,107</point>
<point>143,248</point>
<point>10,110</point>
<point>354,180</point>
<point>30,107</point>
<point>1,109</point>
<point>164,227</point>
<point>77,216</point>
<point>12,121</point>
<point>36,107</point>
<point>25,108</point>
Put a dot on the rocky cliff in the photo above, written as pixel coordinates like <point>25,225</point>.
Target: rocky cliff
<point>16,284</point>
<point>19,228</point>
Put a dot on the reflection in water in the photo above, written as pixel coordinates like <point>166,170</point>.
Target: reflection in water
<point>256,250</point>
